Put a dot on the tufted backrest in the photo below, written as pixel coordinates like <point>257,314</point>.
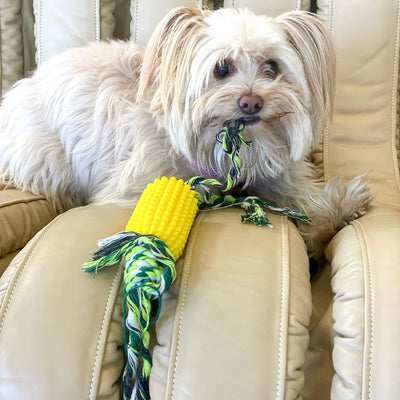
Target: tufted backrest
<point>32,31</point>
<point>362,136</point>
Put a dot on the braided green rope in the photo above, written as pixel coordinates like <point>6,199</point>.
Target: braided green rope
<point>254,206</point>
<point>231,139</point>
<point>149,272</point>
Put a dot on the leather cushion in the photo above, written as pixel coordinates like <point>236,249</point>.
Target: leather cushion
<point>237,315</point>
<point>366,283</point>
<point>22,215</point>
<point>61,331</point>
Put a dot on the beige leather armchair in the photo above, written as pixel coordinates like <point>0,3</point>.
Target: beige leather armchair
<point>242,319</point>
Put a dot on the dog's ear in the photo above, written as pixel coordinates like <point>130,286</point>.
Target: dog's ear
<point>167,57</point>
<point>315,48</point>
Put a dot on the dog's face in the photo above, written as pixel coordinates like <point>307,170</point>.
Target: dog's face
<point>203,69</point>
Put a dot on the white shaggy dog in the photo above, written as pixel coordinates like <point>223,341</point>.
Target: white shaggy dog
<point>97,124</point>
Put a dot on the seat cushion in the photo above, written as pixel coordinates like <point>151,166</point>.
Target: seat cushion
<point>69,323</point>
<point>366,285</point>
<point>237,314</point>
<point>22,215</point>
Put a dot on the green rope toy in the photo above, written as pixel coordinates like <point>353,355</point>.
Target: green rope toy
<point>231,139</point>
<point>154,239</point>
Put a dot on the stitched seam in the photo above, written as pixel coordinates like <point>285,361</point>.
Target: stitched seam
<point>325,154</point>
<point>298,5</point>
<point>32,199</point>
<point>332,15</point>
<point>136,28</point>
<point>20,272</point>
<point>107,313</point>
<point>394,101</point>
<point>97,33</point>
<point>280,378</point>
<point>184,291</point>
<point>39,49</point>
<point>369,303</point>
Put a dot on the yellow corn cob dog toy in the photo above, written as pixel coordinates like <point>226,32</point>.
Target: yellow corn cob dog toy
<point>154,239</point>
<point>166,209</point>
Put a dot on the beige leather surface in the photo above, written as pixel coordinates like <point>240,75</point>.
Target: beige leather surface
<point>11,60</point>
<point>362,135</point>
<point>60,329</point>
<point>318,367</point>
<point>366,283</point>
<point>270,8</point>
<point>28,37</point>
<point>362,138</point>
<point>234,325</point>
<point>22,214</point>
<point>145,16</point>
<point>5,261</point>
<point>81,22</point>
<point>122,19</point>
<point>237,313</point>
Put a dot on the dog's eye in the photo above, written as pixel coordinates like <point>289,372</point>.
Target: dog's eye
<point>223,69</point>
<point>271,69</point>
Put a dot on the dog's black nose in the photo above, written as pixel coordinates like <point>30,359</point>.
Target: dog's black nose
<point>250,103</point>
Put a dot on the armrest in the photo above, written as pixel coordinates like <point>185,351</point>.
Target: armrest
<point>22,215</point>
<point>61,330</point>
<point>234,325</point>
<point>366,284</point>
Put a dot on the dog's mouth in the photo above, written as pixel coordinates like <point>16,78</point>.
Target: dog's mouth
<point>251,120</point>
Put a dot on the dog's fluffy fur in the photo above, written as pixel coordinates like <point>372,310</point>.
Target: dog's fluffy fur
<point>98,124</point>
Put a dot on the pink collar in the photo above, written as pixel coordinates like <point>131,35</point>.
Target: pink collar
<point>204,172</point>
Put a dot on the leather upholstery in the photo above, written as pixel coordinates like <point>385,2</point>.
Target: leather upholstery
<point>362,135</point>
<point>235,320</point>
<point>242,319</point>
<point>248,314</point>
<point>271,8</point>
<point>145,16</point>
<point>366,284</point>
<point>22,215</point>
<point>71,329</point>
<point>11,65</point>
<point>90,21</point>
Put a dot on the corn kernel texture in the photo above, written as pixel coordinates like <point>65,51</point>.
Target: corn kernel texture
<point>166,209</point>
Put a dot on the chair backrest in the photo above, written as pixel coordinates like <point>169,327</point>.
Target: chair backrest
<point>363,134</point>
